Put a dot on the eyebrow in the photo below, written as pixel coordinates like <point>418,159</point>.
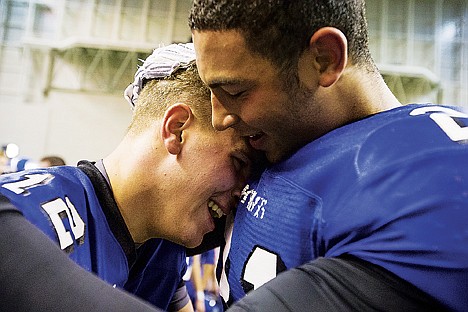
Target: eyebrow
<point>216,83</point>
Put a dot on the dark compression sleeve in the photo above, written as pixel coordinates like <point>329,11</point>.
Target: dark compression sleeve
<point>337,284</point>
<point>35,275</point>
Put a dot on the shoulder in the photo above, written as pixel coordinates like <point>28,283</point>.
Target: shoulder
<point>29,180</point>
<point>42,193</point>
<point>44,185</point>
<point>380,141</point>
<point>413,134</point>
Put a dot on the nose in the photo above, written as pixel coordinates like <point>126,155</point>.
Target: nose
<point>237,191</point>
<point>221,118</point>
<point>236,194</point>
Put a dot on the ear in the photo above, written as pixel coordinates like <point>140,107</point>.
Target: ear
<point>331,54</point>
<point>177,118</point>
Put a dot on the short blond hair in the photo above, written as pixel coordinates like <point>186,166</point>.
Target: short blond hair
<point>183,86</point>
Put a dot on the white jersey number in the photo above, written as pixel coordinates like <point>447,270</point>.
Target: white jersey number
<point>58,211</point>
<point>30,181</point>
<point>444,118</point>
<point>260,267</point>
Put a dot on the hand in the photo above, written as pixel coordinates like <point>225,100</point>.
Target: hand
<point>200,304</point>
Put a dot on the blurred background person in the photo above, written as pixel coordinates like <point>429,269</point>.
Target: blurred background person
<point>201,281</point>
<point>51,161</point>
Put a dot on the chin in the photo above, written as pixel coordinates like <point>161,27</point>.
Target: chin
<point>191,240</point>
<point>279,154</point>
<point>193,243</point>
<point>274,158</point>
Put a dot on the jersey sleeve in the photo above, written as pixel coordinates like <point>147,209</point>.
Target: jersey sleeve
<point>38,276</point>
<point>336,284</point>
<point>418,211</point>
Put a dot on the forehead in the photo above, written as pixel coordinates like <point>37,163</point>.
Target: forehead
<point>223,59</point>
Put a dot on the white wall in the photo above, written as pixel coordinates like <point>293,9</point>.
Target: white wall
<point>74,126</point>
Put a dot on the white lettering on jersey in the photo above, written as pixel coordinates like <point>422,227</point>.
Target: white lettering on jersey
<point>31,180</point>
<point>255,204</point>
<point>443,117</point>
<point>58,210</point>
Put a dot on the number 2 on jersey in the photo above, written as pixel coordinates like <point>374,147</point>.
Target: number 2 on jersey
<point>444,118</point>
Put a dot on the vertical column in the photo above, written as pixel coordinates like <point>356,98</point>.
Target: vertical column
<point>171,21</point>
<point>409,59</point>
<point>144,20</point>
<point>384,33</point>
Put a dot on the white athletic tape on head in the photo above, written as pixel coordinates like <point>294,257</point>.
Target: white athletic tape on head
<point>162,63</point>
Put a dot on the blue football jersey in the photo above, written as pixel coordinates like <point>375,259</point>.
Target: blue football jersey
<point>157,274</point>
<point>61,201</point>
<point>75,207</point>
<point>391,189</point>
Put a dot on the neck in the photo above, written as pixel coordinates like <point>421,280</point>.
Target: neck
<point>358,95</point>
<point>128,168</point>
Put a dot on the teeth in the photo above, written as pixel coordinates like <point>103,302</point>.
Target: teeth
<point>253,136</point>
<point>215,211</point>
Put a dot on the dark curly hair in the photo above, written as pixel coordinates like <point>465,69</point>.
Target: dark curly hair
<point>279,30</point>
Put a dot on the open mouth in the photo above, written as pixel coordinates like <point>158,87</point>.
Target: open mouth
<point>256,136</point>
<point>256,141</point>
<point>215,210</point>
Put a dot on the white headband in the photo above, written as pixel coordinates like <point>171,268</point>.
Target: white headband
<point>162,63</point>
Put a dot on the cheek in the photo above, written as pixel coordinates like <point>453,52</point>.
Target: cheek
<point>255,106</point>
<point>223,175</point>
<point>263,107</point>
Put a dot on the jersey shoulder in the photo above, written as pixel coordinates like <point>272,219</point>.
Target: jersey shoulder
<point>53,199</point>
<point>43,186</point>
<point>413,133</point>
<point>41,182</point>
<point>379,141</point>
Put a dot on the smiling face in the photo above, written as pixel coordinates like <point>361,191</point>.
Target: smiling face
<point>250,94</point>
<point>212,170</point>
<point>174,173</point>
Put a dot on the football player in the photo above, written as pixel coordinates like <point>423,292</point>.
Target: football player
<point>368,198</point>
<point>169,178</point>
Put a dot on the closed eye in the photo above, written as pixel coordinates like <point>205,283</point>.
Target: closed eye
<point>238,163</point>
<point>236,95</point>
<point>242,164</point>
<point>228,94</point>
